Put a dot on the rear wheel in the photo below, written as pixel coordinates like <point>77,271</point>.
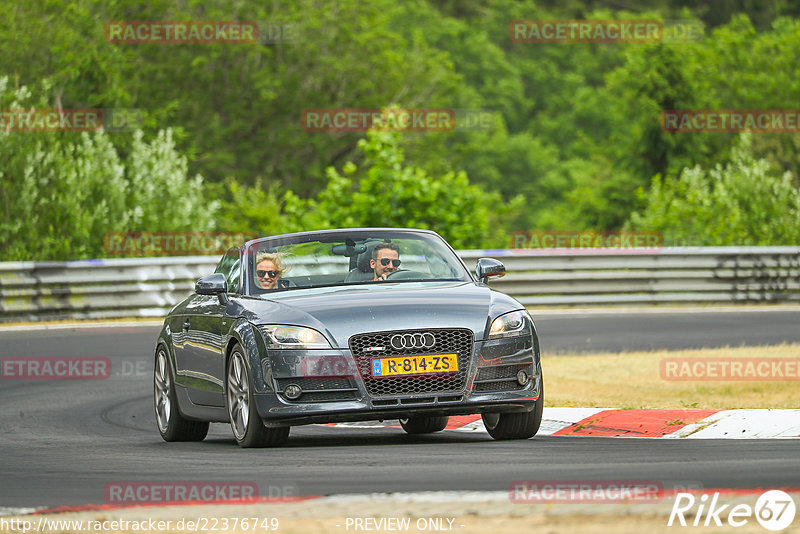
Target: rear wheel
<point>515,425</point>
<point>171,424</point>
<point>247,427</point>
<point>424,424</point>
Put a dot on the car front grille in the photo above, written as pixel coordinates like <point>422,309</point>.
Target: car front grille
<point>454,340</point>
<point>500,377</point>
<point>321,389</point>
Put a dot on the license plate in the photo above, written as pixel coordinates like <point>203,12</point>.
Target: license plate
<point>415,365</point>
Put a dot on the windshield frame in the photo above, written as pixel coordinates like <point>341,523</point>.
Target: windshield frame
<point>250,248</point>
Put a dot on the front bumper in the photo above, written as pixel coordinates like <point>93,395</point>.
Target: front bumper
<point>491,386</point>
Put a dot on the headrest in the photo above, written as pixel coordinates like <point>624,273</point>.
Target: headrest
<point>366,256</point>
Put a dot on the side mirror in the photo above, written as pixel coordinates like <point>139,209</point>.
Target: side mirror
<point>488,267</point>
<point>213,284</point>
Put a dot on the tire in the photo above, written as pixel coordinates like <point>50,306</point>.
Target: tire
<point>424,424</point>
<point>247,427</point>
<point>171,424</point>
<point>522,425</point>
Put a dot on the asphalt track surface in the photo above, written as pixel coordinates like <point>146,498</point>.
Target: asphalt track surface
<point>62,442</point>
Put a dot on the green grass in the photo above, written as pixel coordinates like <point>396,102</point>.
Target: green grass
<point>633,380</point>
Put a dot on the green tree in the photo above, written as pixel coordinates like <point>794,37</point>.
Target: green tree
<point>744,202</point>
<point>382,192</point>
<point>388,193</point>
<point>578,127</point>
<point>63,192</point>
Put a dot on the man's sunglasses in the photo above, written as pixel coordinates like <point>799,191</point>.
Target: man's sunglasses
<point>385,262</point>
<point>272,274</point>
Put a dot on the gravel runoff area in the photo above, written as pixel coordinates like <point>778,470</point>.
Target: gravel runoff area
<point>426,512</point>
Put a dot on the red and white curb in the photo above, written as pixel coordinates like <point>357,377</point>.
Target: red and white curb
<point>693,424</point>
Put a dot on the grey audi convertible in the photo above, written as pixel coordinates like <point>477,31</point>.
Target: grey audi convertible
<point>346,325</point>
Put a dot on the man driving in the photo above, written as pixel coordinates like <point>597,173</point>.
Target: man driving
<point>385,260</point>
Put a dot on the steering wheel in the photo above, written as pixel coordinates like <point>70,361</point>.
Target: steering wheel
<point>406,274</point>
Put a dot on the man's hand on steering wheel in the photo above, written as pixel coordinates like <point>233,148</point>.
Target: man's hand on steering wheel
<point>386,275</point>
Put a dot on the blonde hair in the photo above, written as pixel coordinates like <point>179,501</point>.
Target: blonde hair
<point>274,258</point>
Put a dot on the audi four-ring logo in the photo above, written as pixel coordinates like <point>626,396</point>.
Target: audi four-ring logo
<point>413,341</point>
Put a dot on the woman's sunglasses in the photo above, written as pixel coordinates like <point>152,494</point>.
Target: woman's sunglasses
<point>272,274</point>
<point>385,262</point>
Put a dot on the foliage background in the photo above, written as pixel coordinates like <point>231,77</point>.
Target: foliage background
<point>577,143</point>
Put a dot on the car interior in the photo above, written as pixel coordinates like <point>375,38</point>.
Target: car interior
<point>349,262</point>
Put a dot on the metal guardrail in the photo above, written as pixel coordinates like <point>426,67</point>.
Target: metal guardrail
<point>670,275</point>
<point>149,287</point>
<point>95,289</point>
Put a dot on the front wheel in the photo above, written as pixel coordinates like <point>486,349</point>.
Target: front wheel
<point>247,427</point>
<point>171,424</point>
<point>424,424</point>
<point>515,425</point>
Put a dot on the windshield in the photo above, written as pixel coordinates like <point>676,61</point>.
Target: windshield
<point>348,258</point>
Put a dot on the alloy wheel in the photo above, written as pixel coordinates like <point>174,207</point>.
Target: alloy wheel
<point>162,385</point>
<point>238,396</point>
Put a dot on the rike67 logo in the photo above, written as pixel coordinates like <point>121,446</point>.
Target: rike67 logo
<point>774,510</point>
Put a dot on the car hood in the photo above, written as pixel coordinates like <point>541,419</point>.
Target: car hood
<point>342,311</point>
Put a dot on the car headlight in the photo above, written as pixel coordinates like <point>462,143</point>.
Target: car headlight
<point>510,324</point>
<point>294,337</point>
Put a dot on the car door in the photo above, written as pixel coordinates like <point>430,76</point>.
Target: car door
<point>206,335</point>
